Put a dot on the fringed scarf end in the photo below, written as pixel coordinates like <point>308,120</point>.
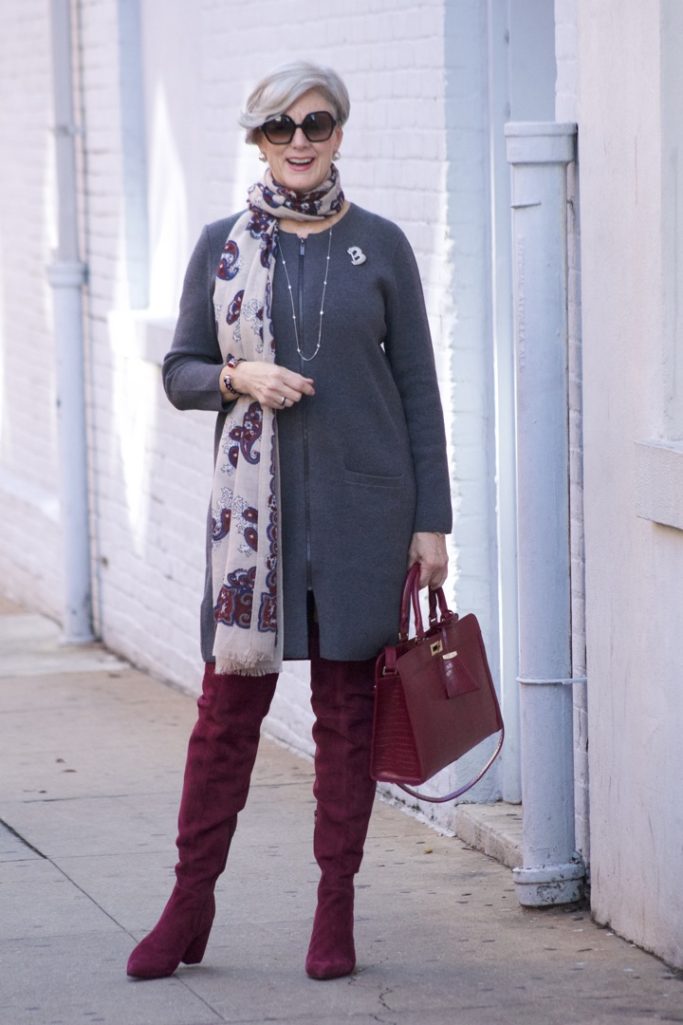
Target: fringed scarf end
<point>246,666</point>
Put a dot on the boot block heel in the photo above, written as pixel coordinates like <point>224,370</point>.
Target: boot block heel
<point>331,953</point>
<point>196,949</point>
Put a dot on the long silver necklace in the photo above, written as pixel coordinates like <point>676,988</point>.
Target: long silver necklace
<point>307,359</point>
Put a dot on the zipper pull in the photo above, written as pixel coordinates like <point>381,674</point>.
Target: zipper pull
<point>302,246</point>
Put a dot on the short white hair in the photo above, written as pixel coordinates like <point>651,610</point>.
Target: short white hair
<point>278,90</point>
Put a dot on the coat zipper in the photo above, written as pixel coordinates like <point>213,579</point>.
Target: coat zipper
<point>304,420</point>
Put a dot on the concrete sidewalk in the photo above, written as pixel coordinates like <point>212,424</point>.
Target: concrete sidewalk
<point>91,759</point>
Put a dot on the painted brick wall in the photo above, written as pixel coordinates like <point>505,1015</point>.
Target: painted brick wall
<point>30,538</point>
<point>399,154</point>
<point>466,337</point>
<point>117,393</point>
<point>417,80</point>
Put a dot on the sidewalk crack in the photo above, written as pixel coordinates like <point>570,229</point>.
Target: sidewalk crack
<point>382,997</point>
<point>22,839</point>
<point>45,857</point>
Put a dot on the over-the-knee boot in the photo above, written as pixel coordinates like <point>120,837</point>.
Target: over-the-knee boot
<point>342,700</point>
<point>220,758</point>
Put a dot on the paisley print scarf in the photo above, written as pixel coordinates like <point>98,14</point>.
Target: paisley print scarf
<point>245,505</point>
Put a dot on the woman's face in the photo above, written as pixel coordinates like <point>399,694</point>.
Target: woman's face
<point>302,165</point>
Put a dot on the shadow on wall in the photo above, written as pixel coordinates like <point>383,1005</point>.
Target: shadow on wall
<point>153,473</point>
<point>149,527</point>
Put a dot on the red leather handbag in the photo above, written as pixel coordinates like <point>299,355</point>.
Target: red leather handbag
<point>434,696</point>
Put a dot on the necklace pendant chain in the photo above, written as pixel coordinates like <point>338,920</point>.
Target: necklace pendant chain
<point>307,359</point>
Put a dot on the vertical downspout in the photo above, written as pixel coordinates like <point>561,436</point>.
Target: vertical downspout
<point>539,153</point>
<point>66,275</point>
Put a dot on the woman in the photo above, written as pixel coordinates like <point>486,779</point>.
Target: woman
<point>302,323</point>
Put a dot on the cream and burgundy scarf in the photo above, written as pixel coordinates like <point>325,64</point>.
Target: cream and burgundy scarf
<point>246,550</point>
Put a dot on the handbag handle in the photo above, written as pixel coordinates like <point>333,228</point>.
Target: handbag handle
<point>466,786</point>
<point>411,595</point>
<point>438,597</point>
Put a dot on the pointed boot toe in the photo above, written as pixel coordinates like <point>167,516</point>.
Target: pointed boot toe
<point>181,934</point>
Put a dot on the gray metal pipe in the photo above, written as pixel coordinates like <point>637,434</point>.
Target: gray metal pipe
<point>66,275</point>
<point>552,872</point>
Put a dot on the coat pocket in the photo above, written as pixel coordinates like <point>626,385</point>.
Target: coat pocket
<point>373,480</point>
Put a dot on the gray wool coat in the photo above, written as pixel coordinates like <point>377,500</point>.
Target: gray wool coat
<point>363,462</point>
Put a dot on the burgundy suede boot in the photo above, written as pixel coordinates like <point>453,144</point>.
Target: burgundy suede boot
<point>342,700</point>
<point>220,758</point>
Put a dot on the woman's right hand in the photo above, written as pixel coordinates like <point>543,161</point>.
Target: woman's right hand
<point>269,384</point>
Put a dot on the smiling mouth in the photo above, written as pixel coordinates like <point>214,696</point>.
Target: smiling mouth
<point>300,164</point>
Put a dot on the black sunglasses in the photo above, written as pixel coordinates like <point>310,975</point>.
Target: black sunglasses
<point>316,126</point>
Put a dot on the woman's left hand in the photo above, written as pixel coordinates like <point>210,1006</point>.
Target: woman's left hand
<point>430,551</point>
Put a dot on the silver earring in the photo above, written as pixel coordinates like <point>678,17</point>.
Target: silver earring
<point>336,155</point>
<point>262,157</point>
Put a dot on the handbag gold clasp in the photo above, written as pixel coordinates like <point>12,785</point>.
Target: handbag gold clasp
<point>436,647</point>
<point>451,654</point>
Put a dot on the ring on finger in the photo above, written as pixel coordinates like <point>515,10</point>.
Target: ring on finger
<point>283,401</point>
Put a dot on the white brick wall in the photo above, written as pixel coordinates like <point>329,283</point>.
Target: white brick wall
<point>30,538</point>
<point>465,341</point>
<point>109,403</point>
<point>414,150</point>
